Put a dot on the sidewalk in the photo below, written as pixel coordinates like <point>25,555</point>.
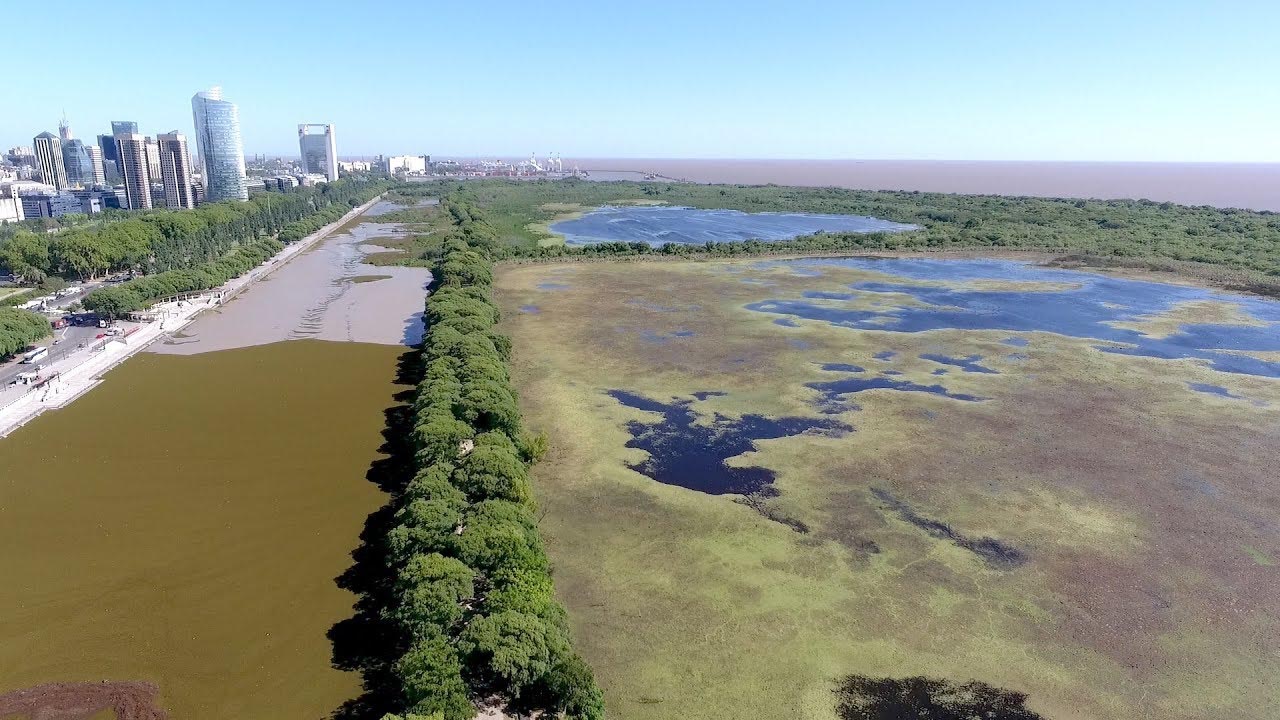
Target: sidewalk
<point>79,372</point>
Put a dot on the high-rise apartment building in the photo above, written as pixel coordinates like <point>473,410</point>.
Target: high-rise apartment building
<point>217,123</point>
<point>48,150</point>
<point>153,160</point>
<point>95,158</point>
<point>175,170</point>
<point>131,149</point>
<point>319,150</point>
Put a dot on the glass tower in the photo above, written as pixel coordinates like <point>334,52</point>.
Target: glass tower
<point>78,163</point>
<point>221,150</point>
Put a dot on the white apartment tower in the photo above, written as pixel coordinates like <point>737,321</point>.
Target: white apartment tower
<point>175,170</point>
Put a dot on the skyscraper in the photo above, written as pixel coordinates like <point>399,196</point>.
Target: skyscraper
<point>108,142</point>
<point>95,157</point>
<point>175,170</point>
<point>131,149</point>
<point>221,150</point>
<point>319,151</point>
<point>64,129</point>
<point>49,160</point>
<point>77,162</point>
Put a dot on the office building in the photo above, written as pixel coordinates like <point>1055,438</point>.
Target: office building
<point>217,124</point>
<point>108,142</point>
<point>64,130</point>
<point>99,170</point>
<point>48,151</point>
<point>77,163</point>
<point>175,170</point>
<point>57,204</point>
<point>131,149</point>
<point>319,150</point>
<point>153,160</point>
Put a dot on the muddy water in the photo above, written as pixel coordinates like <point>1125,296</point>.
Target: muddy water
<point>327,293</point>
<point>183,525</point>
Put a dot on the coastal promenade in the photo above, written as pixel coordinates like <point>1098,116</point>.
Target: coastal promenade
<point>66,379</point>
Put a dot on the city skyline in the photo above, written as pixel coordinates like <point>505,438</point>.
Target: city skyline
<point>1149,81</point>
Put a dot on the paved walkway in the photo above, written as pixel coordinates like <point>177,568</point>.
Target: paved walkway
<point>70,377</point>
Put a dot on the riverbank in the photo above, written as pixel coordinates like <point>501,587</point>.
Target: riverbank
<point>71,377</point>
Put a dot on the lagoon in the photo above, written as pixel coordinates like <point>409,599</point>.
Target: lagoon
<point>658,225</point>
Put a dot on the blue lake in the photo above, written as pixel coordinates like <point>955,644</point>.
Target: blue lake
<point>1087,309</point>
<point>691,226</point>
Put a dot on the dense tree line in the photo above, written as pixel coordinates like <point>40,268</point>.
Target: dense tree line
<point>161,240</point>
<point>19,329</point>
<point>138,294</point>
<point>475,596</point>
<point>190,236</point>
<point>1241,239</point>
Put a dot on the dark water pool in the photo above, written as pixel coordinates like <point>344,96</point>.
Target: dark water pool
<point>1088,308</point>
<point>693,226</point>
<point>690,455</point>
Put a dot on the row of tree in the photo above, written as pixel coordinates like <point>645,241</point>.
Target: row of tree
<point>160,240</point>
<point>474,591</point>
<point>255,244</point>
<point>140,293</point>
<point>19,329</point>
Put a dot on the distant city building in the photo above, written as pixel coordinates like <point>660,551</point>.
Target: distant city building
<point>175,170</point>
<point>77,162</point>
<point>48,151</point>
<point>319,150</point>
<point>99,170</point>
<point>64,130</point>
<point>57,204</point>
<point>108,142</point>
<point>131,149</point>
<point>217,123</point>
<point>197,193</point>
<point>311,179</point>
<point>11,206</point>
<point>406,164</point>
<point>354,166</point>
<point>21,155</point>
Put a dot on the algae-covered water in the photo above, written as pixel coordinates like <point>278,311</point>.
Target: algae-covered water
<point>183,524</point>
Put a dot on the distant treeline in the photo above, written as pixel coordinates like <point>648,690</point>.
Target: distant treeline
<point>474,596</point>
<point>18,329</point>
<point>1240,239</point>
<point>161,240</point>
<point>240,253</point>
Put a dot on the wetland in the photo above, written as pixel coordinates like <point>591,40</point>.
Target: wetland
<point>775,483</point>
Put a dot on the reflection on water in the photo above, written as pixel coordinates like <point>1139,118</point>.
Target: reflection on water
<point>691,226</point>
<point>1079,304</point>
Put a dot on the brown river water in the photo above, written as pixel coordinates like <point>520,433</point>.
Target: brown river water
<point>180,528</point>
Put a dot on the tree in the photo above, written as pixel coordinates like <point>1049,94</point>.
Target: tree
<point>432,679</point>
<point>26,255</point>
<point>431,588</point>
<point>509,649</point>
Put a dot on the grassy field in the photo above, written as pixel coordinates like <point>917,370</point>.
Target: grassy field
<point>1136,517</point>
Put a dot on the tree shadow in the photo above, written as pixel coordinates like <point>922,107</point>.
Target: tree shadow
<point>366,642</point>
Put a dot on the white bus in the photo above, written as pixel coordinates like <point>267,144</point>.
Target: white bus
<point>36,355</point>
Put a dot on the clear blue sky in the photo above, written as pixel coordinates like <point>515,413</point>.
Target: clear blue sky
<point>1181,80</point>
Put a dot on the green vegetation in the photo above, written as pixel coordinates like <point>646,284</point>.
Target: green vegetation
<point>20,328</point>
<point>163,240</point>
<point>1239,239</point>
<point>246,241</point>
<point>474,596</point>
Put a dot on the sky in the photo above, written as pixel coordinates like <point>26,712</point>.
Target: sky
<point>1123,80</point>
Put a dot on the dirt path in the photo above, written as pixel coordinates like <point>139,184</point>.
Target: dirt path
<point>80,701</point>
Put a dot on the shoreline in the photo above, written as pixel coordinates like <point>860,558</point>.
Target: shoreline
<point>65,386</point>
